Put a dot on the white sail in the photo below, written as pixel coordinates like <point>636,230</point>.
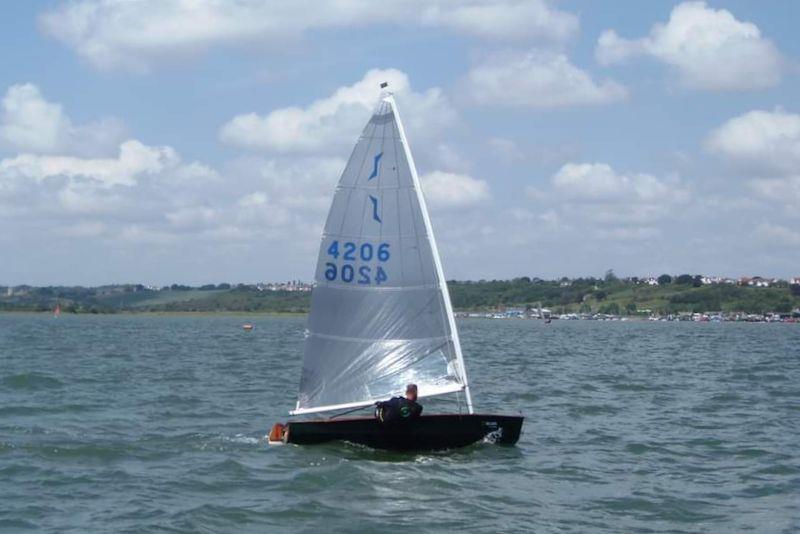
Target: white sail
<point>380,312</point>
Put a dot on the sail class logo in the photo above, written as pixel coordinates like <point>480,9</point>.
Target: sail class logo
<point>375,209</point>
<point>375,163</point>
<point>375,168</point>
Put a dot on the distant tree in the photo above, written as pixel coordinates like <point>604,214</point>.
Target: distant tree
<point>207,287</point>
<point>684,279</point>
<point>795,289</point>
<point>697,281</point>
<point>600,295</point>
<point>610,277</point>
<point>223,286</point>
<point>611,308</point>
<point>630,308</point>
<point>664,280</point>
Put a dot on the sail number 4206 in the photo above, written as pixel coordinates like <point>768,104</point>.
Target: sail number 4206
<point>364,274</point>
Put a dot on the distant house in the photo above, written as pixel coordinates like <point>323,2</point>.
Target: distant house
<point>758,281</point>
<point>795,281</point>
<point>650,281</point>
<point>711,280</point>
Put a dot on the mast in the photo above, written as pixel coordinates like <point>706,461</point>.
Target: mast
<point>432,241</point>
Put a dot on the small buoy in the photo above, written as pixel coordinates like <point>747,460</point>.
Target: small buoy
<point>247,326</point>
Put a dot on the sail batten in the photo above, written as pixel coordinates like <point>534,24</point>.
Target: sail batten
<point>380,313</point>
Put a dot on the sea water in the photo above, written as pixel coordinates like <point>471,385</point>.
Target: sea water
<point>132,423</point>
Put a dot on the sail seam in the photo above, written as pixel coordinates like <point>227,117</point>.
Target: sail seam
<point>382,288</point>
<point>446,339</point>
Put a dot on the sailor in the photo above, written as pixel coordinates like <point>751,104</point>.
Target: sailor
<point>399,408</point>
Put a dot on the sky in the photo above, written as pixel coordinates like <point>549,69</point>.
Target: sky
<point>199,141</point>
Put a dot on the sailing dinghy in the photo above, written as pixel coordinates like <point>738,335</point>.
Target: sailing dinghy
<point>381,315</point>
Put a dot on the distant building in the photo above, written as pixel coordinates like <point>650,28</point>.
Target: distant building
<point>795,281</point>
<point>292,285</point>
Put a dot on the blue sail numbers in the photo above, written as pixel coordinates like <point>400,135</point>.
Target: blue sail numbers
<point>378,317</point>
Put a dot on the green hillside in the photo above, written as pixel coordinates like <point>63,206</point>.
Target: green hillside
<point>588,295</point>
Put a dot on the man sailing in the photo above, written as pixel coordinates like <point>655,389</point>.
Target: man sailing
<point>399,408</point>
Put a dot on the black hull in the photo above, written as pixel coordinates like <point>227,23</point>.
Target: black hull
<point>427,432</point>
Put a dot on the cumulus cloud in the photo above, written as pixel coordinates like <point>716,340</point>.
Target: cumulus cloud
<point>144,203</point>
<point>28,122</point>
<point>334,122</point>
<point>537,79</point>
<point>606,203</point>
<point>764,146</point>
<point>134,35</point>
<point>134,160</point>
<point>450,190</point>
<point>598,181</point>
<point>767,141</point>
<point>708,48</point>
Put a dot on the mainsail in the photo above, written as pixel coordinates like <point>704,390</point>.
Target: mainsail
<point>380,312</point>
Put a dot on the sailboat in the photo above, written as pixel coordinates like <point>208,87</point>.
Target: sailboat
<point>381,315</point>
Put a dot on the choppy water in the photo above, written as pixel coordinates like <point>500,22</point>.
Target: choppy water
<point>157,423</point>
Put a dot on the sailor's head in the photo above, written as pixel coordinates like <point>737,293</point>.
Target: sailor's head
<point>411,392</point>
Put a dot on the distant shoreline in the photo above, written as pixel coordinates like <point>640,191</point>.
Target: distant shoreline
<point>586,297</point>
<point>460,314</point>
<point>158,313</point>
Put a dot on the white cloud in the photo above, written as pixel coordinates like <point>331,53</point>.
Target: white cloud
<point>30,123</point>
<point>449,190</point>
<point>708,48</point>
<point>333,123</point>
<point>134,35</point>
<point>785,190</point>
<point>516,19</point>
<point>82,198</point>
<point>537,79</point>
<point>598,181</point>
<point>767,141</point>
<point>594,198</point>
<point>764,147</point>
<point>134,159</point>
